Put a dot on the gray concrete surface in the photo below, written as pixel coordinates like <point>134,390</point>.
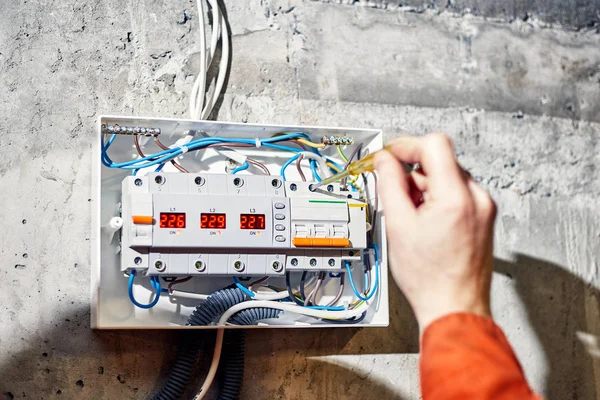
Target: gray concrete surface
<point>521,103</point>
<point>571,14</point>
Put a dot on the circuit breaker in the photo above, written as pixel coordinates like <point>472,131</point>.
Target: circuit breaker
<point>219,224</point>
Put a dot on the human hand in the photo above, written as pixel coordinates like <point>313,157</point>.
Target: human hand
<point>440,227</point>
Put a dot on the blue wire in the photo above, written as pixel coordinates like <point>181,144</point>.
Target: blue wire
<point>160,167</point>
<point>242,287</point>
<point>166,155</point>
<point>105,159</point>
<point>154,281</point>
<point>242,167</point>
<point>375,285</point>
<point>206,141</point>
<point>287,164</point>
<point>313,168</point>
<point>328,308</point>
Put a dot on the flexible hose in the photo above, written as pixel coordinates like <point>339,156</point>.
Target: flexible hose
<point>233,370</point>
<point>203,315</point>
<point>215,305</point>
<point>251,316</point>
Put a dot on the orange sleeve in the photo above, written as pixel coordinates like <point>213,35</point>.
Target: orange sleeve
<point>466,356</point>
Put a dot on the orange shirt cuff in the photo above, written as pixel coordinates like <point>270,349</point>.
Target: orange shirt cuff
<point>467,356</point>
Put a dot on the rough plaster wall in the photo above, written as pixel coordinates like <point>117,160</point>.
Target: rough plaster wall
<point>310,63</point>
<point>572,14</point>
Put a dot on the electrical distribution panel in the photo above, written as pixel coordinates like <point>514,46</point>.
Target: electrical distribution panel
<point>186,234</point>
<point>219,224</point>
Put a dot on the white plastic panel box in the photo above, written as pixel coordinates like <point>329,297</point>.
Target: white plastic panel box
<point>111,307</point>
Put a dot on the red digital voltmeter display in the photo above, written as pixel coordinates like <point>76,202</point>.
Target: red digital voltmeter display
<point>213,221</point>
<point>252,221</point>
<point>172,220</point>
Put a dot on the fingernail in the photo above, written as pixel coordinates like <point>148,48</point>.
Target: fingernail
<point>380,159</point>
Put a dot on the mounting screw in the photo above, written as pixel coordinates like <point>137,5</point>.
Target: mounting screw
<point>313,262</point>
<point>159,265</point>
<point>331,262</point>
<point>293,187</point>
<point>276,183</point>
<point>200,266</point>
<point>138,182</point>
<point>277,266</point>
<point>238,182</point>
<point>312,187</point>
<point>330,188</point>
<point>199,180</point>
<point>350,253</point>
<point>137,260</point>
<point>238,266</point>
<point>349,196</point>
<point>159,179</point>
<point>294,262</point>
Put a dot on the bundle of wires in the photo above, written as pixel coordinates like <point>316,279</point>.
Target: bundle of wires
<point>200,108</point>
<point>170,154</point>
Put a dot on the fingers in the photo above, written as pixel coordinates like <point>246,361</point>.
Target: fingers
<point>484,204</point>
<point>418,187</point>
<point>394,189</point>
<point>436,156</point>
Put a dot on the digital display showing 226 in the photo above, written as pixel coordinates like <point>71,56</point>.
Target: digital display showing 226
<point>172,220</point>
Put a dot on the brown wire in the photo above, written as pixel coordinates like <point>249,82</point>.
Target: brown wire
<point>340,290</point>
<point>175,163</point>
<point>299,167</point>
<point>259,165</point>
<point>258,282</point>
<point>182,169</point>
<point>176,282</point>
<point>136,142</point>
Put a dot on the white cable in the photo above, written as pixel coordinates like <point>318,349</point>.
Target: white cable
<point>222,69</point>
<point>213,366</point>
<point>198,108</point>
<point>320,160</point>
<point>293,309</point>
<point>259,295</point>
<point>188,295</point>
<point>216,32</point>
<point>271,296</point>
<point>200,82</point>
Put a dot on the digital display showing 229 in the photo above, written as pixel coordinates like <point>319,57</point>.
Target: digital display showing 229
<point>252,221</point>
<point>213,221</point>
<point>172,220</point>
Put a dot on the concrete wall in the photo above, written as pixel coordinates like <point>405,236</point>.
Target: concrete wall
<point>520,102</point>
<point>572,14</point>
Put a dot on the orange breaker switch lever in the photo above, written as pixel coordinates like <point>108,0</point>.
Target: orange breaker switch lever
<point>320,242</point>
<point>142,219</point>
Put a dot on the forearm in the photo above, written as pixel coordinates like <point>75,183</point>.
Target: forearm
<point>467,356</point>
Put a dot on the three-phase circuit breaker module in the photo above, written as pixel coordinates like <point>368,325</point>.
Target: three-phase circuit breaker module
<point>241,225</point>
<point>183,210</point>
